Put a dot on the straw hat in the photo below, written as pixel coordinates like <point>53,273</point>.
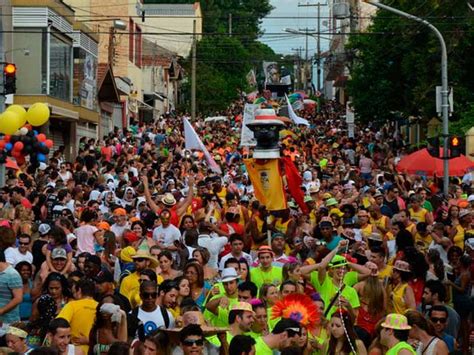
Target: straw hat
<point>141,254</point>
<point>229,274</point>
<point>396,321</point>
<point>168,199</point>
<point>401,265</point>
<point>196,317</point>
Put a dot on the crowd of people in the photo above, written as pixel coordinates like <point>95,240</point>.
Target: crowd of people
<point>138,247</point>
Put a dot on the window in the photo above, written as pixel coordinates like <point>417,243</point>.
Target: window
<point>138,47</point>
<point>131,28</point>
<point>60,66</point>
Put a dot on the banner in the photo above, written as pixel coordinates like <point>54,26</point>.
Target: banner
<point>267,182</point>
<point>192,141</point>
<point>272,74</point>
<point>246,138</point>
<point>293,116</point>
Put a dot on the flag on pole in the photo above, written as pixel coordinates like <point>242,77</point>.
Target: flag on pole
<point>192,141</point>
<point>267,182</point>
<point>293,182</point>
<point>293,116</point>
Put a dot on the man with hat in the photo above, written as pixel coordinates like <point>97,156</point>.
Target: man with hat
<point>331,283</point>
<point>121,223</point>
<point>217,309</point>
<point>131,283</point>
<point>58,261</point>
<point>266,272</point>
<point>394,335</point>
<point>168,201</point>
<point>285,334</point>
<point>241,318</point>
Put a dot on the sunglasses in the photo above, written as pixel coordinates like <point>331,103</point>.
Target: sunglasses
<point>438,320</point>
<point>146,295</point>
<point>20,243</point>
<point>191,342</point>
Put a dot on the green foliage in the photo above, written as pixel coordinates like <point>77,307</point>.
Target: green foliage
<point>398,67</point>
<point>223,61</point>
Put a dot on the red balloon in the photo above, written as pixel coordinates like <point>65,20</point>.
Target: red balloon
<point>15,153</point>
<point>6,137</point>
<point>41,137</point>
<point>18,146</point>
<point>2,145</point>
<point>48,143</point>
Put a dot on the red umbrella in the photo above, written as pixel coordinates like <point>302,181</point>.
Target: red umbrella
<point>422,163</point>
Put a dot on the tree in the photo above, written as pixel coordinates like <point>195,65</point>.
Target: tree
<point>223,61</point>
<point>397,63</point>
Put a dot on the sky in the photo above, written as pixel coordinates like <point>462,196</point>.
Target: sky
<point>297,18</point>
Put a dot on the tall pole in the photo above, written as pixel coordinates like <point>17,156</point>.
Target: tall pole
<point>230,25</point>
<point>2,96</point>
<point>306,64</point>
<point>444,84</point>
<point>193,75</point>
<point>318,62</point>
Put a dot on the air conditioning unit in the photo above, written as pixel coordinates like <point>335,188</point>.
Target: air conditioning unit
<point>341,10</point>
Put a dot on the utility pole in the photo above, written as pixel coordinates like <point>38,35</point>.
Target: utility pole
<point>444,83</point>
<point>307,66</point>
<point>318,39</point>
<point>2,96</point>
<point>230,25</point>
<point>298,64</point>
<point>193,75</point>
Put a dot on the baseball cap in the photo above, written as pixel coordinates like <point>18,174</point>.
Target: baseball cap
<point>120,212</point>
<point>59,253</point>
<point>103,225</point>
<point>44,228</point>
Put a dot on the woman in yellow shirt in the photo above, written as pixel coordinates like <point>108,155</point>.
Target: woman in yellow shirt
<point>402,297</point>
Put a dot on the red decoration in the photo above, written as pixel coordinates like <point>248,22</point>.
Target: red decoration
<point>18,146</point>
<point>2,145</point>
<point>48,143</point>
<point>41,137</point>
<point>6,138</point>
<point>300,308</point>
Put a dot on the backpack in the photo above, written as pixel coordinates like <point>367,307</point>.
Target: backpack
<point>135,325</point>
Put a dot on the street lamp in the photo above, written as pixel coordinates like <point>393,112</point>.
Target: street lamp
<point>444,83</point>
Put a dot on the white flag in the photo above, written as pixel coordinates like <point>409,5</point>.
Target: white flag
<point>247,138</point>
<point>293,116</point>
<point>192,141</point>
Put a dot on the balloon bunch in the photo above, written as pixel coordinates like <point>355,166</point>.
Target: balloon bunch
<point>20,139</point>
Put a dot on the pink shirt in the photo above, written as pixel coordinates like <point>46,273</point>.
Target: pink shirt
<point>85,238</point>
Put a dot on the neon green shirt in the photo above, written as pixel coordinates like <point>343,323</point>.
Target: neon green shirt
<point>261,348</point>
<point>327,290</point>
<point>350,278</point>
<point>400,346</point>
<point>259,277</point>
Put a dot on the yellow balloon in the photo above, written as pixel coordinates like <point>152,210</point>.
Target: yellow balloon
<point>20,110</point>
<point>38,114</point>
<point>9,122</point>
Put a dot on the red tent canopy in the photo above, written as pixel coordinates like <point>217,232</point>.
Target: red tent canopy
<point>422,163</point>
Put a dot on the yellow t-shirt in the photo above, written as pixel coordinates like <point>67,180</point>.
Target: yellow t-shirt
<point>458,238</point>
<point>130,287</point>
<point>419,216</point>
<point>81,316</point>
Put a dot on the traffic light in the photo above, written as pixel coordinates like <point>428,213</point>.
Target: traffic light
<point>455,146</point>
<point>433,146</point>
<point>9,78</point>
